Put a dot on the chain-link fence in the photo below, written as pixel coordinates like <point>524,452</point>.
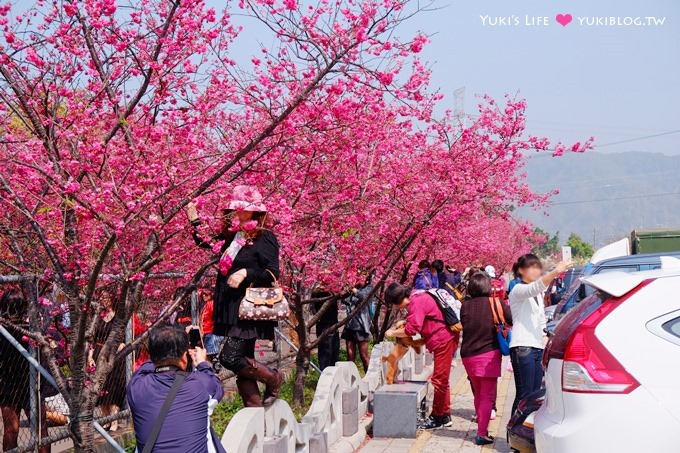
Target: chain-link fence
<point>35,416</point>
<point>31,407</point>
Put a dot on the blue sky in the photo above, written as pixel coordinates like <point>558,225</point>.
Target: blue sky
<point>617,83</point>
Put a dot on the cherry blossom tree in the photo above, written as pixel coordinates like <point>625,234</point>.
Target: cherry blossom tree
<point>388,185</point>
<point>116,114</point>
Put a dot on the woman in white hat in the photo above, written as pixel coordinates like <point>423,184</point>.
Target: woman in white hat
<point>249,255</point>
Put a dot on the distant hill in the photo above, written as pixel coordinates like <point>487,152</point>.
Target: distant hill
<point>605,196</point>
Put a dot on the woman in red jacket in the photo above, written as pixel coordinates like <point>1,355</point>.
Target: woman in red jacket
<point>426,318</point>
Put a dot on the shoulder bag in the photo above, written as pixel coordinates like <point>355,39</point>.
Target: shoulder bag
<point>264,304</point>
<point>503,332</point>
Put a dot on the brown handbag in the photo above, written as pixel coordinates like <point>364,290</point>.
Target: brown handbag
<point>264,304</point>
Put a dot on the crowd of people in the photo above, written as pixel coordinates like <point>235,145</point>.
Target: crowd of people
<point>485,301</point>
<point>175,388</point>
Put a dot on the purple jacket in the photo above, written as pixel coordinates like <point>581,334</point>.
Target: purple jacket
<point>426,280</point>
<point>187,426</point>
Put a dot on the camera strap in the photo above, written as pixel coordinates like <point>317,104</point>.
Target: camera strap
<point>180,376</point>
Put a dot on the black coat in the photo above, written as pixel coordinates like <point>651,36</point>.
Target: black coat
<point>257,259</point>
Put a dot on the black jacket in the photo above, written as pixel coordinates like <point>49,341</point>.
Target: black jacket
<point>256,258</point>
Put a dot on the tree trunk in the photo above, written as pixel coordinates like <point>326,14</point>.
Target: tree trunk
<point>82,431</point>
<point>89,385</point>
<point>375,322</point>
<point>302,356</point>
<point>301,369</point>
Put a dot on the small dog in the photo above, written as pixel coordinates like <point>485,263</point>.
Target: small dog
<point>400,349</point>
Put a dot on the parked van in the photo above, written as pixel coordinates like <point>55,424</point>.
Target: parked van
<point>631,263</point>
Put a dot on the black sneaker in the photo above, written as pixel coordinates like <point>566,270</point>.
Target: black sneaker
<point>484,440</point>
<point>432,422</point>
<point>446,421</point>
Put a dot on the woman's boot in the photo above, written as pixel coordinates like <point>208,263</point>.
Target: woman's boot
<point>273,382</point>
<point>271,377</point>
<point>249,391</point>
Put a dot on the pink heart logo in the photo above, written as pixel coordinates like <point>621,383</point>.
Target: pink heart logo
<point>564,19</point>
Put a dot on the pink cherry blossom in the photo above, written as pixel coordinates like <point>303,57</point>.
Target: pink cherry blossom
<point>225,264</point>
<point>113,122</point>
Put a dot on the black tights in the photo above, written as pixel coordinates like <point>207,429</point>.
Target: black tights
<point>235,352</point>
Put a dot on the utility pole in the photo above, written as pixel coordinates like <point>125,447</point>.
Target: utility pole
<point>459,105</point>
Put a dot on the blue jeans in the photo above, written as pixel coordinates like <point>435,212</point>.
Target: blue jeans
<point>528,371</point>
<point>212,343</point>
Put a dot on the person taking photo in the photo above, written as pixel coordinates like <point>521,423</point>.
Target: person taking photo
<point>528,315</point>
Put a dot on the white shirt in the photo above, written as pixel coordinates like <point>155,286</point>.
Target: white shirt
<point>528,314</point>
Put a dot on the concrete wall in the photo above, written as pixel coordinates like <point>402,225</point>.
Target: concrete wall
<point>275,429</point>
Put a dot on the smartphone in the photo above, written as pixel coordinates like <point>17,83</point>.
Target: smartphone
<point>566,253</point>
<point>195,340</point>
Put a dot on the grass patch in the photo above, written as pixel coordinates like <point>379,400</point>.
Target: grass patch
<point>342,357</point>
<point>226,409</point>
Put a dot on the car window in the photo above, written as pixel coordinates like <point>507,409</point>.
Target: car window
<point>573,299</point>
<point>603,270</point>
<point>589,291</point>
<point>673,327</point>
<point>570,278</point>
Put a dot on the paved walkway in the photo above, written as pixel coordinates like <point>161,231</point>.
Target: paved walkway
<point>459,437</point>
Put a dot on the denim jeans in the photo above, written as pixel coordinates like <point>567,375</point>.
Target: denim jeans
<point>528,371</point>
<point>212,343</point>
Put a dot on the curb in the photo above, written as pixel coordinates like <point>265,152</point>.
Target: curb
<point>352,444</point>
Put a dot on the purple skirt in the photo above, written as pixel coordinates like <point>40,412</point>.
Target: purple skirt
<point>486,364</point>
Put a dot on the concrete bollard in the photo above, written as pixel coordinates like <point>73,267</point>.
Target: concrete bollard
<point>318,443</point>
<point>396,409</point>
<point>277,444</point>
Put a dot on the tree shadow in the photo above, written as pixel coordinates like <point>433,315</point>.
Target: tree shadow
<point>466,414</point>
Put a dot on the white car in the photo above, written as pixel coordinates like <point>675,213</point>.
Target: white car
<point>613,369</point>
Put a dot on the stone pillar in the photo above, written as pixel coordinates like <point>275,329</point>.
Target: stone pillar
<point>350,411</point>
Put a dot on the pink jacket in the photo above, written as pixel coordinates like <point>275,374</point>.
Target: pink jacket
<point>425,317</point>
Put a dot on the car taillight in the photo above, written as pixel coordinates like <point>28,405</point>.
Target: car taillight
<point>588,367</point>
<point>557,344</point>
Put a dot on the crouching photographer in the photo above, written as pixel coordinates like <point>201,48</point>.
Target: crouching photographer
<point>171,406</point>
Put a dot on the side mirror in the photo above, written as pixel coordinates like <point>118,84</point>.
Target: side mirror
<point>582,292</point>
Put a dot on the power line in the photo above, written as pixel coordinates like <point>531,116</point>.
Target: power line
<point>591,126</point>
<point>632,197</point>
<point>636,139</point>
<point>630,179</point>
